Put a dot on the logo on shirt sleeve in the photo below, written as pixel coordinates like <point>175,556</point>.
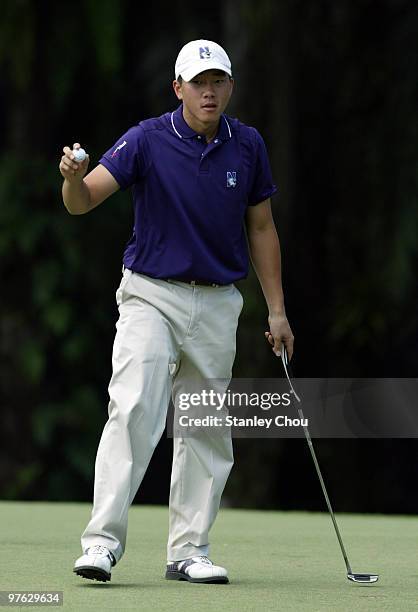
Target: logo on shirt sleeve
<point>205,53</point>
<point>119,148</point>
<point>231,179</point>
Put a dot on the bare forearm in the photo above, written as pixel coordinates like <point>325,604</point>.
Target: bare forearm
<point>266,259</point>
<point>265,255</point>
<point>76,197</point>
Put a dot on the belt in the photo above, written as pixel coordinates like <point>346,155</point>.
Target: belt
<point>193,282</point>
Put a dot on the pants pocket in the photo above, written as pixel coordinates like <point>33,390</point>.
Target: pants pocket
<point>240,299</point>
<point>122,286</point>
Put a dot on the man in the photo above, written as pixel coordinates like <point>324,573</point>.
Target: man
<point>197,176</point>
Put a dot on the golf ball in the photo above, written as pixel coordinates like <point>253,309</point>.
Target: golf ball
<point>79,155</point>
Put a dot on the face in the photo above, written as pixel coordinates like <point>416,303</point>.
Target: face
<point>205,97</point>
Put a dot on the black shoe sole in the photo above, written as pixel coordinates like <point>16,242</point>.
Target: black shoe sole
<point>181,576</point>
<point>92,573</point>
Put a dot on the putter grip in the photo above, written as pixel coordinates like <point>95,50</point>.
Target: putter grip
<point>287,362</point>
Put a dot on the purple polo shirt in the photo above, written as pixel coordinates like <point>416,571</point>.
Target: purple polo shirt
<point>190,197</point>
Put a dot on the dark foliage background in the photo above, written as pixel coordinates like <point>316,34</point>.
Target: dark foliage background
<point>332,86</point>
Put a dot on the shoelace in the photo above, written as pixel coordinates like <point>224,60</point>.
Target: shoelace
<point>205,560</point>
<point>97,550</point>
<point>187,562</point>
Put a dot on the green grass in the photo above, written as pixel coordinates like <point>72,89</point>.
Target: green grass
<point>276,561</point>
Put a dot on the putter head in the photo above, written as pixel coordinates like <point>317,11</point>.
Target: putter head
<point>364,578</point>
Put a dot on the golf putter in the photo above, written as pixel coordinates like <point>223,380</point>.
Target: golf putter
<point>362,578</point>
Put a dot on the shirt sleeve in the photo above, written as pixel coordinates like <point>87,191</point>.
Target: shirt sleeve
<point>125,160</point>
<point>262,186</point>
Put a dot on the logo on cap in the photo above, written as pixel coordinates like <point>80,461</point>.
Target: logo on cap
<point>205,53</point>
<point>231,179</point>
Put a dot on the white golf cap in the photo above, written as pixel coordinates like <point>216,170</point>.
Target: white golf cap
<point>200,55</point>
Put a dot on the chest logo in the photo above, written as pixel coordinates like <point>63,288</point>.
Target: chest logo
<point>205,53</point>
<point>231,179</point>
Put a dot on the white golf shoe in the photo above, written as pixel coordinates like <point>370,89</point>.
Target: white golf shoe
<point>196,569</point>
<point>95,564</point>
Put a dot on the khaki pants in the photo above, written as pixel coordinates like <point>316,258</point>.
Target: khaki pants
<point>168,333</point>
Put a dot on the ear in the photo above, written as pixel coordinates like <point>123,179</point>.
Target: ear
<point>177,90</point>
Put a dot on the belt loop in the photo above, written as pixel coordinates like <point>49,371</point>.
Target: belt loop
<point>123,268</point>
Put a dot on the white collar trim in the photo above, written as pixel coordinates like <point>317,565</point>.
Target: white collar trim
<point>174,127</point>
<point>180,136</point>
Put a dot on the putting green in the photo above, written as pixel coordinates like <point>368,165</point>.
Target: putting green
<point>276,561</point>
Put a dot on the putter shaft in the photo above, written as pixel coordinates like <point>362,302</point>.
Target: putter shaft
<point>363,578</point>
